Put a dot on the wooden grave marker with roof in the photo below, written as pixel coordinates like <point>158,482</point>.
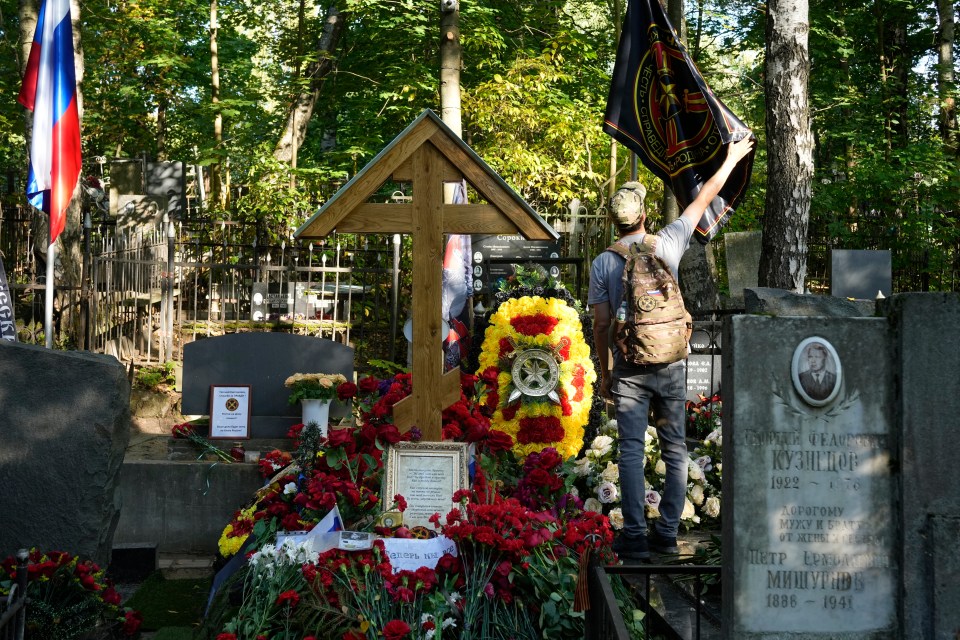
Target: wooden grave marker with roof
<point>428,154</point>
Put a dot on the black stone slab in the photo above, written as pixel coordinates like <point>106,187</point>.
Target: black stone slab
<point>263,361</point>
<point>860,274</point>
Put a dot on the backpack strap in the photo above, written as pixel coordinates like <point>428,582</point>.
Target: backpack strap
<point>648,244</point>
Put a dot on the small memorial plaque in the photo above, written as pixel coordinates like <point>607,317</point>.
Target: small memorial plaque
<point>230,412</point>
<point>703,376</point>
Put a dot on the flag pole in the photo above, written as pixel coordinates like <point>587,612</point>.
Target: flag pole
<point>48,295</point>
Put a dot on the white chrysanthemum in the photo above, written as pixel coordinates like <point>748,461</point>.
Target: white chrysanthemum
<point>592,504</point>
<point>711,507</point>
<point>601,446</point>
<point>696,495</point>
<point>616,518</point>
<point>608,493</point>
<point>661,468</point>
<point>611,473</point>
<point>694,472</point>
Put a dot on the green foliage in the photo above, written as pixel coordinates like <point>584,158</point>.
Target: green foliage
<point>153,377</point>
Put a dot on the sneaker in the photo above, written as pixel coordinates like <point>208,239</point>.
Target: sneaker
<point>662,544</point>
<point>631,548</point>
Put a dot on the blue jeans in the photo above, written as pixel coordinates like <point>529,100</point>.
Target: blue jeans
<point>637,389</point>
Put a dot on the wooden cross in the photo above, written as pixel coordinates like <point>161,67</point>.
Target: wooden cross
<point>428,154</point>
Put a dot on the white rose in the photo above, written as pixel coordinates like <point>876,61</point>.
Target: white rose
<point>601,446</point>
<point>715,436</point>
<point>694,472</point>
<point>582,467</point>
<point>704,462</point>
<point>661,468</point>
<point>689,513</point>
<point>611,473</point>
<point>712,507</point>
<point>592,504</point>
<point>616,518</point>
<point>652,499</point>
<point>696,495</point>
<point>651,434</point>
<point>611,427</point>
<point>290,487</point>
<point>608,493</point>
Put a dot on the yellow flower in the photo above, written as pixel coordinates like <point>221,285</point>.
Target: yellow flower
<point>575,371</point>
<point>229,544</point>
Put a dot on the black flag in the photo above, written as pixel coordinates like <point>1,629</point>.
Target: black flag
<point>660,108</point>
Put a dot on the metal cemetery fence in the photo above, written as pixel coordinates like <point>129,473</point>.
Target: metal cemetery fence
<point>670,597</point>
<point>13,606</point>
<point>153,291</point>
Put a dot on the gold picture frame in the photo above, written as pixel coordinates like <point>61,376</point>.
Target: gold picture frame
<point>426,474</point>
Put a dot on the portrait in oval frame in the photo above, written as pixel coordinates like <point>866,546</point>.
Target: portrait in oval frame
<point>816,371</point>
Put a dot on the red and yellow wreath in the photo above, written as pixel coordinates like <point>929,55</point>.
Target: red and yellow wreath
<point>535,348</point>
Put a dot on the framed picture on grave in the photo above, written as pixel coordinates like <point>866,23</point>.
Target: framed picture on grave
<point>816,371</point>
<point>230,412</point>
<point>426,474</point>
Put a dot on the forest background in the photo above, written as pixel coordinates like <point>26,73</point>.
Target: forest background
<point>283,101</point>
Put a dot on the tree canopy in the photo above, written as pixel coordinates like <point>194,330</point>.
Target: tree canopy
<point>534,85</point>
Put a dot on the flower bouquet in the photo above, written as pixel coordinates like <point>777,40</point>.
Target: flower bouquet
<point>314,386</point>
<point>70,598</point>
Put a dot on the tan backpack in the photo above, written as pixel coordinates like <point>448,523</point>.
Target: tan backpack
<point>652,326</point>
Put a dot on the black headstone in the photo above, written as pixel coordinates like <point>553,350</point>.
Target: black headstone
<point>263,361</point>
<point>860,274</point>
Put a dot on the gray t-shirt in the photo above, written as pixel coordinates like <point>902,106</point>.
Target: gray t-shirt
<point>607,268</point>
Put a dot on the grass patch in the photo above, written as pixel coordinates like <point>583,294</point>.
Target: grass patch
<point>175,633</point>
<point>170,603</point>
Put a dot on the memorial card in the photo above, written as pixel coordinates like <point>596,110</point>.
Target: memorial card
<point>229,412</point>
<point>426,475</point>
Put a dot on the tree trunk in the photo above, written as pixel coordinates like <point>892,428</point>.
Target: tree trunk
<point>216,170</point>
<point>302,108</point>
<point>946,79</point>
<point>783,259</point>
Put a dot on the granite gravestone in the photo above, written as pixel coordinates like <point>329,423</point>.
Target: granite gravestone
<point>863,275</point>
<point>742,249</point>
<point>704,361</point>
<point>64,429</point>
<point>263,361</point>
<point>809,530</point>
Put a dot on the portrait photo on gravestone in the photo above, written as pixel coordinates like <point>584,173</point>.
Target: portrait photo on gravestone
<point>816,371</point>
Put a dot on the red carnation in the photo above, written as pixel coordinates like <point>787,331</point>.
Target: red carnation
<point>396,630</point>
<point>290,597</point>
<point>498,440</point>
<point>132,621</point>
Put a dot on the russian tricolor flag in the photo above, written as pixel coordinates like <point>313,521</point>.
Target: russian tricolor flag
<point>50,91</point>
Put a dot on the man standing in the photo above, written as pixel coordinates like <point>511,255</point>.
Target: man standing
<point>636,389</point>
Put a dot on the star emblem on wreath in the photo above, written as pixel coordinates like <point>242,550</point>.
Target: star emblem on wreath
<point>536,372</point>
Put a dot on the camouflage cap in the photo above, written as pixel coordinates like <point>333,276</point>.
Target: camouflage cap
<point>626,206</point>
